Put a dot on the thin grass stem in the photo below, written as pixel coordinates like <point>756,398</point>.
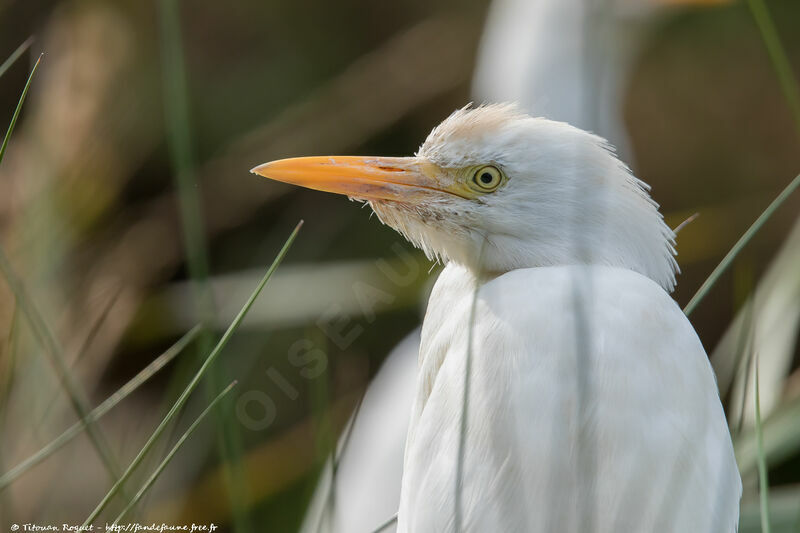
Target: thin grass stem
<point>9,369</point>
<point>195,380</point>
<point>179,141</point>
<point>21,49</point>
<point>463,428</point>
<point>745,345</point>
<point>15,116</point>
<point>98,412</point>
<point>685,223</point>
<point>39,326</point>
<point>164,462</point>
<point>791,92</point>
<point>87,341</point>
<point>740,244</point>
<point>56,357</point>
<point>11,357</point>
<point>777,54</point>
<point>386,524</point>
<point>180,145</point>
<point>763,481</point>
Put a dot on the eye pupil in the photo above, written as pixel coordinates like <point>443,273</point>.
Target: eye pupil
<point>486,179</point>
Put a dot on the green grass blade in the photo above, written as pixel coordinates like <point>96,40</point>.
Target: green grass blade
<point>745,346</point>
<point>164,462</point>
<point>54,353</point>
<point>789,87</point>
<point>97,326</point>
<point>21,49</point>
<point>87,341</point>
<point>179,140</point>
<point>336,458</point>
<point>781,435</point>
<point>778,57</point>
<point>180,145</point>
<point>195,380</point>
<point>10,354</point>
<point>763,482</point>
<point>18,109</point>
<point>791,93</point>
<point>784,509</point>
<point>462,434</point>
<point>319,396</point>
<point>123,392</point>
<point>386,524</point>
<point>740,244</point>
<point>9,368</point>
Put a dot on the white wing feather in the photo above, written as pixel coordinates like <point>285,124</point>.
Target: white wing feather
<point>618,429</point>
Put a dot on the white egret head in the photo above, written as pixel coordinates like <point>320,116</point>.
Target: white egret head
<point>495,190</point>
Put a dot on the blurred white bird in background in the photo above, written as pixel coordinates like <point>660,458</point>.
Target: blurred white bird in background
<point>565,59</point>
<point>365,491</point>
<point>590,403</point>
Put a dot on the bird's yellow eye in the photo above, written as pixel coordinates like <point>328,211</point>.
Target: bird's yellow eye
<point>487,178</point>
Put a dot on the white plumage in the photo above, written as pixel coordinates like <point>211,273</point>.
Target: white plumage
<point>564,59</point>
<point>648,451</point>
<point>650,441</point>
<point>592,405</point>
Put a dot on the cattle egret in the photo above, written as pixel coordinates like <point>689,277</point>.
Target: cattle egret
<point>591,404</point>
<point>568,60</point>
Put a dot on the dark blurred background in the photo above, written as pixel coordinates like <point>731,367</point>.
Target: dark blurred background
<point>90,217</point>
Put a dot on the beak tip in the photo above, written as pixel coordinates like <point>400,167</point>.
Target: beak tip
<point>257,169</point>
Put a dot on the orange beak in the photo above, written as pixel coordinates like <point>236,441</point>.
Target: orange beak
<point>402,179</point>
